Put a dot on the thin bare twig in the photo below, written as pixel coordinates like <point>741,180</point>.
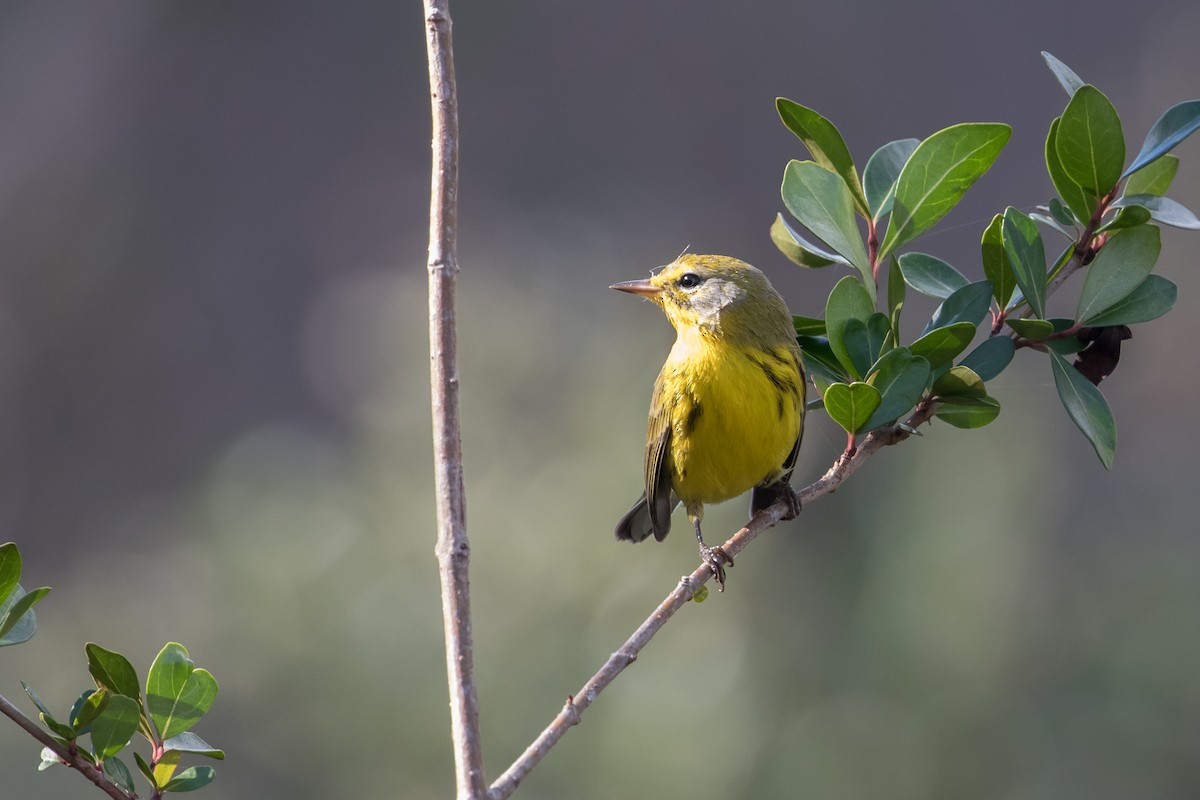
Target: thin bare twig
<point>68,755</point>
<point>453,549</point>
<point>576,704</point>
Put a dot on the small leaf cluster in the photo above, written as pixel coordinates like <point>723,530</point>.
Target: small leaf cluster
<point>17,620</point>
<point>1105,210</point>
<point>177,695</point>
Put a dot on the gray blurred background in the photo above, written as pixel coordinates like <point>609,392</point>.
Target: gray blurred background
<point>214,421</point>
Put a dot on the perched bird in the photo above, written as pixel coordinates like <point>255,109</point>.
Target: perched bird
<point>727,413</point>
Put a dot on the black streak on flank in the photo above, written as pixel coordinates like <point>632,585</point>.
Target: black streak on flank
<point>689,424</point>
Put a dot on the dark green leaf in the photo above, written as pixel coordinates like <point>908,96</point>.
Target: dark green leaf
<point>800,250</point>
<point>959,381</point>
<point>848,300</point>
<point>900,378</point>
<point>1154,178</point>
<point>878,330</point>
<point>858,346</point>
<point>178,694</point>
<point>968,412</point>
<point>1061,213</point>
<point>991,357</point>
<point>940,346</point>
<point>115,726</point>
<point>64,732</point>
<point>1081,201</point>
<point>931,276</point>
<point>86,708</point>
<point>1067,345</point>
<point>808,326</point>
<point>896,293</point>
<point>1087,408</point>
<point>1032,329</point>
<point>1176,124</point>
<point>825,143</point>
<point>191,743</point>
<point>1026,256</point>
<point>17,620</point>
<point>1090,145</point>
<point>113,671</point>
<point>995,263</point>
<point>10,569</point>
<point>145,768</point>
<point>1065,75</point>
<point>115,769</point>
<point>1162,209</point>
<point>1127,217</point>
<point>851,405</point>
<point>190,779</point>
<point>1150,300</point>
<point>821,202</point>
<point>881,172</point>
<point>37,701</point>
<point>968,304</point>
<point>819,360</point>
<point>937,175</point>
<point>1119,268</point>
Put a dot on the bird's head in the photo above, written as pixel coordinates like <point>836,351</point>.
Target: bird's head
<point>714,293</point>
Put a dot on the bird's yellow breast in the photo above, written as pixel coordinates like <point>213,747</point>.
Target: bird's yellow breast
<point>736,415</point>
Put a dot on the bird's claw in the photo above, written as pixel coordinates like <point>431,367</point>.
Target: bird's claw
<point>792,498</point>
<point>717,559</point>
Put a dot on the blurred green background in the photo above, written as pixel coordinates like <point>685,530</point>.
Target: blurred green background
<point>214,415</point>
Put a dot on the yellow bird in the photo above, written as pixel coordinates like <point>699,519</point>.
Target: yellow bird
<point>727,414</point>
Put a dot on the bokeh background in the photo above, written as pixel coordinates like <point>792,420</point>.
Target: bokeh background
<point>214,415</point>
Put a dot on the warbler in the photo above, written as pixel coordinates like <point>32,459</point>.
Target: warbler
<point>727,412</point>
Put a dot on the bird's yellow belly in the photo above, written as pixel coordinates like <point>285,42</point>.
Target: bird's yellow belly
<point>738,419</point>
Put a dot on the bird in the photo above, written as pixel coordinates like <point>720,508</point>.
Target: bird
<point>727,409</point>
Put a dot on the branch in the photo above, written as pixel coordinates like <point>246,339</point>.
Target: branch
<point>846,465</point>
<point>453,549</point>
<point>69,755</point>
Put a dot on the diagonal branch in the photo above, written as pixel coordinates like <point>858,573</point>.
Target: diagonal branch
<point>846,465</point>
<point>453,549</point>
<point>67,754</point>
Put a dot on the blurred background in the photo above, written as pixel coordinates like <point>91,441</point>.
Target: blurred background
<point>214,414</point>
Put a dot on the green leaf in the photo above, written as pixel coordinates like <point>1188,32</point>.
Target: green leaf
<point>1081,202</point>
<point>1150,300</point>
<point>968,304</point>
<point>896,295</point>
<point>931,276</point>
<point>1176,124</point>
<point>900,378</point>
<point>115,726</point>
<point>1127,217</point>
<point>178,694</point>
<point>191,743</point>
<point>1119,268</point>
<point>851,405</point>
<point>825,143</point>
<point>991,357</point>
<point>1162,209</point>
<point>64,732</point>
<point>17,620</point>
<point>819,360</point>
<point>1032,329</point>
<point>937,175</point>
<point>808,326</point>
<point>1065,75</point>
<point>995,263</point>
<point>164,768</point>
<point>858,346</point>
<point>144,768</point>
<point>1026,256</point>
<point>10,569</point>
<point>848,300</point>
<point>115,769</point>
<point>881,172</point>
<point>37,701</point>
<point>1061,213</point>
<point>821,202</point>
<point>1154,178</point>
<point>190,779</point>
<point>800,250</point>
<point>113,671</point>
<point>86,708</point>
<point>1067,345</point>
<point>968,412</point>
<point>1086,407</point>
<point>940,346</point>
<point>1090,144</point>
<point>959,381</point>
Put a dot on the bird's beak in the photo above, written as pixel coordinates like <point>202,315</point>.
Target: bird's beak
<point>645,288</point>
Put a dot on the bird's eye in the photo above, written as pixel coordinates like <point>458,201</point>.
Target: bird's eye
<point>690,280</point>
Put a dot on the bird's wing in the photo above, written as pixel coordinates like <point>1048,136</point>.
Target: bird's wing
<point>658,473</point>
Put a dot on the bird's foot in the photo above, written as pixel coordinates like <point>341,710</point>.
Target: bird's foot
<point>717,559</point>
<point>792,498</point>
